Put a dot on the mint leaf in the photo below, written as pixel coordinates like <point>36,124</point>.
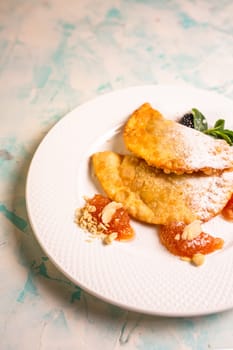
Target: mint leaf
<point>218,131</point>
<point>199,120</point>
<point>219,124</point>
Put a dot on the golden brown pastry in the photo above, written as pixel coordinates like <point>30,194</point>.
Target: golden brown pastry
<point>152,196</point>
<point>173,147</point>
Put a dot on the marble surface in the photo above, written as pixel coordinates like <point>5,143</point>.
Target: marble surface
<point>55,55</point>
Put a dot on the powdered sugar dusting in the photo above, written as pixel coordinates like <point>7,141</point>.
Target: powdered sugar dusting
<point>207,195</point>
<point>200,151</point>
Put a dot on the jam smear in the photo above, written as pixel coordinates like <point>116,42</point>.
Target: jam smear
<point>227,211</point>
<point>170,237</point>
<point>120,221</point>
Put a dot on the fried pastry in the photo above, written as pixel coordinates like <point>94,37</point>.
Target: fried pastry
<point>152,196</point>
<point>173,147</point>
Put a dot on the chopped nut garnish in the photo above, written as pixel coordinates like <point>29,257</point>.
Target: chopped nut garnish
<point>177,237</point>
<point>192,230</point>
<point>108,239</point>
<point>104,219</point>
<point>86,221</point>
<point>109,210</point>
<point>185,258</point>
<point>101,227</point>
<point>198,259</point>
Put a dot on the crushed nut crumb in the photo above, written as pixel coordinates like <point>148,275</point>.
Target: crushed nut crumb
<point>185,258</point>
<point>198,259</point>
<point>86,221</point>
<point>110,238</point>
<point>192,230</point>
<point>177,237</point>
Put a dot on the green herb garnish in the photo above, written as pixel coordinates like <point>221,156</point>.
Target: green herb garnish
<point>218,131</point>
<point>199,120</point>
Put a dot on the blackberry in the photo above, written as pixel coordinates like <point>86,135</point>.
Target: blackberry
<point>187,120</point>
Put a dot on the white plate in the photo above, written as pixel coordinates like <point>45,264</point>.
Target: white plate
<point>139,275</point>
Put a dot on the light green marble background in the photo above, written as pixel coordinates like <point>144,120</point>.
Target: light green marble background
<point>55,55</point>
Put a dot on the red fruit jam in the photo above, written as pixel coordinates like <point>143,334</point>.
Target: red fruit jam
<point>120,221</point>
<point>227,211</point>
<point>203,243</point>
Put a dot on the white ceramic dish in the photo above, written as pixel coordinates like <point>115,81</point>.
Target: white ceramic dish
<point>139,275</point>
